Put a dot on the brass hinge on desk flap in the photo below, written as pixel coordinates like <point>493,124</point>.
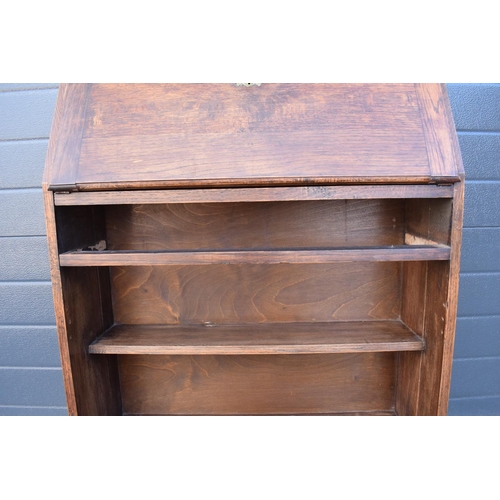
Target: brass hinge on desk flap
<point>63,188</point>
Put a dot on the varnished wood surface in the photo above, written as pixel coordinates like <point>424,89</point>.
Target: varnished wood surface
<point>428,221</point>
<point>256,194</point>
<point>66,159</point>
<point>199,135</point>
<point>413,313</point>
<point>258,226</point>
<point>433,100</point>
<point>57,294</point>
<point>82,301</point>
<point>250,385</point>
<point>156,258</point>
<point>146,138</point>
<point>277,338</point>
<point>256,293</point>
<point>452,288</point>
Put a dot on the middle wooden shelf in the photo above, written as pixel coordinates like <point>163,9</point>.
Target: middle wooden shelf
<point>296,256</point>
<point>263,338</point>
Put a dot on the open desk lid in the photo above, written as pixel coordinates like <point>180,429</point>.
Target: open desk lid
<point>139,136</point>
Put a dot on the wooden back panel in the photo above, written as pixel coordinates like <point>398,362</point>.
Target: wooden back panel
<point>271,225</point>
<point>249,385</point>
<point>256,293</point>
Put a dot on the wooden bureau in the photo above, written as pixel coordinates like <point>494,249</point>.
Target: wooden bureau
<point>254,250</point>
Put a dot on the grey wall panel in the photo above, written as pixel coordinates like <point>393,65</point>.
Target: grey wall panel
<point>475,106</point>
<point>26,303</point>
<point>481,155</point>
<point>8,87</point>
<point>28,387</point>
<point>482,204</point>
<point>479,295</point>
<point>478,337</point>
<point>29,346</point>
<point>26,115</point>
<point>33,411</point>
<point>475,406</point>
<point>480,249</point>
<point>476,111</point>
<point>22,212</point>
<point>24,259</point>
<point>21,163</point>
<point>475,377</point>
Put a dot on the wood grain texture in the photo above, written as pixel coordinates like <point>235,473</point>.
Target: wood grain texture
<point>277,338</point>
<point>433,334</point>
<point>53,139</point>
<point>413,313</point>
<point>370,254</point>
<point>216,159</point>
<point>149,109</point>
<point>87,302</point>
<point>428,289</point>
<point>454,271</point>
<point>249,385</point>
<point>66,158</point>
<point>82,302</point>
<point>201,135</point>
<point>256,194</point>
<point>259,226</point>
<point>256,293</point>
<point>55,275</point>
<point>453,288</point>
<point>436,126</point>
<point>428,221</point>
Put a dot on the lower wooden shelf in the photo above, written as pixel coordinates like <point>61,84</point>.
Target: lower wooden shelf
<point>297,256</point>
<point>269,338</point>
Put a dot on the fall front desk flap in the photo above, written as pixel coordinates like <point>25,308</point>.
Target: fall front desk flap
<point>139,136</point>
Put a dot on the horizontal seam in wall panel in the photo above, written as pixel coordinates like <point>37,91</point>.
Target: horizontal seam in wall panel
<point>41,139</point>
<point>27,89</point>
<point>13,325</point>
<point>481,227</point>
<point>480,358</point>
<point>475,397</point>
<point>19,188</point>
<point>478,316</point>
<point>36,189</point>
<point>480,273</point>
<point>30,139</point>
<point>482,181</point>
<point>450,84</point>
<point>37,407</point>
<point>33,368</point>
<point>26,236</point>
<point>477,131</point>
<point>33,327</point>
<point>468,180</point>
<point>474,317</point>
<point>22,282</point>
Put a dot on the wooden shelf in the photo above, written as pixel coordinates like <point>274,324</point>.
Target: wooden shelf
<point>367,254</point>
<point>269,338</point>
